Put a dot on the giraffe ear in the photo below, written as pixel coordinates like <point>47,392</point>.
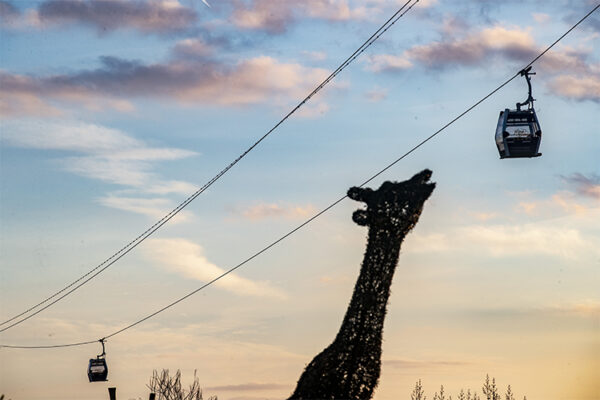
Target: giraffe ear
<point>359,194</point>
<point>361,217</point>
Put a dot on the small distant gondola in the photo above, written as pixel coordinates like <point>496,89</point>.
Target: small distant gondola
<point>518,133</point>
<point>97,368</point>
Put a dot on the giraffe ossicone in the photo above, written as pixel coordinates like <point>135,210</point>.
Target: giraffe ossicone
<point>349,367</point>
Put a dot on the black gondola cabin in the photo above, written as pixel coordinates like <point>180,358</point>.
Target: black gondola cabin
<point>97,370</point>
<point>518,133</point>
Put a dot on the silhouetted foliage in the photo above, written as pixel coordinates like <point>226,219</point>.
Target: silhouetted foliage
<point>349,368</point>
<point>467,396</point>
<point>509,394</point>
<point>442,395</point>
<point>489,388</point>
<point>169,387</point>
<point>418,393</point>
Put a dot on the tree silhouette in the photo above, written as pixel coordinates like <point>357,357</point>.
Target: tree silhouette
<point>442,395</point>
<point>509,394</point>
<point>169,387</point>
<point>418,393</point>
<point>490,390</point>
<point>467,396</point>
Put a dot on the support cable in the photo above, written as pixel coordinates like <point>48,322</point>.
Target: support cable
<point>73,286</point>
<point>322,211</point>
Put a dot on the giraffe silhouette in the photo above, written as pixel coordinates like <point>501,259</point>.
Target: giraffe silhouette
<point>349,367</point>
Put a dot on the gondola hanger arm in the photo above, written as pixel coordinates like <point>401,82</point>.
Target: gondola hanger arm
<point>103,350</point>
<point>526,73</point>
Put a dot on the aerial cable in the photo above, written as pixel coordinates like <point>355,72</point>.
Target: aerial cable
<point>323,211</point>
<point>56,346</point>
<point>73,286</point>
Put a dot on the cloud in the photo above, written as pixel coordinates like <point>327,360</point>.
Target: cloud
<point>247,387</point>
<point>192,49</point>
<point>571,73</point>
<point>328,280</point>
<point>541,18</point>
<point>577,88</point>
<point>276,16</point>
<point>188,260</point>
<point>273,210</point>
<point>485,216</point>
<point>424,3</point>
<point>575,77</point>
<point>267,15</point>
<point>8,12</point>
<point>387,62</point>
<point>105,154</point>
<point>334,10</point>
<point>26,96</point>
<point>78,137</point>
<point>167,187</point>
<point>171,16</point>
<point>454,25</point>
<point>584,185</point>
<point>582,202</point>
<point>422,364</point>
<point>578,9</point>
<point>191,80</point>
<point>585,308</point>
<point>314,109</point>
<point>20,104</point>
<point>568,203</point>
<point>509,240</point>
<point>155,208</point>
<point>315,55</point>
<point>528,207</point>
<point>474,48</point>
<point>108,154</point>
<point>502,240</point>
<point>376,95</point>
<point>151,16</point>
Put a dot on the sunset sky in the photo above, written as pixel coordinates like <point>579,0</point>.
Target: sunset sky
<point>114,112</point>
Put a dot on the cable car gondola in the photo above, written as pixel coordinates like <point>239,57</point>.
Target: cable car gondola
<point>518,133</point>
<point>97,368</point>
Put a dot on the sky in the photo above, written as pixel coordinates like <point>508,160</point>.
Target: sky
<point>114,112</point>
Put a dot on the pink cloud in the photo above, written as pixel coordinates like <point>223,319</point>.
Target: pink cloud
<point>275,16</point>
<point>571,74</point>
<point>577,87</point>
<point>272,16</point>
<point>155,16</point>
<point>588,186</point>
<point>474,48</point>
<point>197,79</point>
<point>388,62</point>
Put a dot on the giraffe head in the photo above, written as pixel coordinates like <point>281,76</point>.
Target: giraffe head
<point>395,206</point>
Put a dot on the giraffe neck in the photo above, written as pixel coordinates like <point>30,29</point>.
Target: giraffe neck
<point>366,312</point>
